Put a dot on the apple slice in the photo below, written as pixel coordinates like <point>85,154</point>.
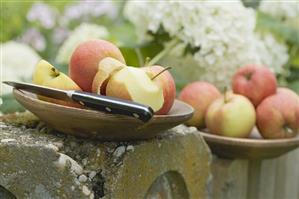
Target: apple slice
<point>47,75</point>
<point>135,84</point>
<point>107,67</point>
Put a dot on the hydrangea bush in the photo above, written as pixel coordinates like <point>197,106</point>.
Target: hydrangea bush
<point>221,37</point>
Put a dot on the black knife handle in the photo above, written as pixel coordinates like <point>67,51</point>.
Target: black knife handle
<point>113,105</point>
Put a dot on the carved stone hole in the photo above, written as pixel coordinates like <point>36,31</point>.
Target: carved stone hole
<point>169,185</point>
<point>5,194</point>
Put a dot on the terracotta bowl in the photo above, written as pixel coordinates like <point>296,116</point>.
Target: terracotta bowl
<point>100,125</point>
<point>254,147</point>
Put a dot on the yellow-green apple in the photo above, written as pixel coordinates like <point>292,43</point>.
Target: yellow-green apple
<point>135,84</point>
<point>232,115</point>
<point>278,115</point>
<point>107,67</point>
<point>47,75</point>
<point>166,81</point>
<point>199,95</point>
<point>85,61</point>
<point>255,82</point>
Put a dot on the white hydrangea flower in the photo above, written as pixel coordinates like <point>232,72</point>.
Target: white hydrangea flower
<point>80,34</point>
<point>224,31</point>
<point>18,63</point>
<point>283,9</point>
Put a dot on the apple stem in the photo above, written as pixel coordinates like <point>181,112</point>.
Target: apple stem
<point>225,94</point>
<point>147,60</point>
<point>164,52</point>
<point>139,56</point>
<point>56,72</point>
<point>162,71</point>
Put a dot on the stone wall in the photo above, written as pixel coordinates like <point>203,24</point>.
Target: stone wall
<point>37,162</point>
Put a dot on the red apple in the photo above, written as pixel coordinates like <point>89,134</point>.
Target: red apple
<point>278,115</point>
<point>166,81</point>
<point>254,82</point>
<point>85,60</point>
<point>199,95</point>
<point>231,115</point>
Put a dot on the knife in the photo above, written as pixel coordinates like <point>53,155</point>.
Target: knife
<point>97,102</point>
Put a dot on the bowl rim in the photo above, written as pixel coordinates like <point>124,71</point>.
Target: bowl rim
<point>28,95</point>
<point>250,142</point>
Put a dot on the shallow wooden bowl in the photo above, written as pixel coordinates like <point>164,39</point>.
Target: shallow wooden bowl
<point>99,125</point>
<point>254,147</point>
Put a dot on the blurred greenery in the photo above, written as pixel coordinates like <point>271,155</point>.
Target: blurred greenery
<point>13,16</point>
<point>286,30</point>
<point>11,105</point>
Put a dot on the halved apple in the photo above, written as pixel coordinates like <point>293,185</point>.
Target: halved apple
<point>135,84</point>
<point>47,75</point>
<point>107,67</point>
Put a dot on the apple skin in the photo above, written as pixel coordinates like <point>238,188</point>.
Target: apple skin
<point>278,115</point>
<point>232,115</point>
<point>47,75</point>
<point>107,67</point>
<point>85,60</point>
<point>255,82</point>
<point>199,95</point>
<point>166,81</point>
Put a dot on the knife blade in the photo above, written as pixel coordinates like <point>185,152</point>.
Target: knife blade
<point>94,101</point>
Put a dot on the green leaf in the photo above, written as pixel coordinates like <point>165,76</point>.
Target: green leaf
<point>294,57</point>
<point>294,86</point>
<point>286,31</point>
<point>123,34</point>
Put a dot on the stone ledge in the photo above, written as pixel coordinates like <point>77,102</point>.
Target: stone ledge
<point>38,162</point>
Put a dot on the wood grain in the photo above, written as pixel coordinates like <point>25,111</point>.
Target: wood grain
<point>100,125</point>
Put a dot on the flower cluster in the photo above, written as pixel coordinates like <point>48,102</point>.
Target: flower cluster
<point>49,26</point>
<point>83,10</point>
<point>81,33</point>
<point>43,14</point>
<point>282,9</point>
<point>222,32</point>
<point>18,62</point>
<point>34,38</point>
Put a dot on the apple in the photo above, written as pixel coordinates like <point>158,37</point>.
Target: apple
<point>232,115</point>
<point>47,75</point>
<point>85,61</point>
<point>134,84</point>
<point>107,67</point>
<point>255,82</point>
<point>278,115</point>
<point>199,95</point>
<point>166,81</point>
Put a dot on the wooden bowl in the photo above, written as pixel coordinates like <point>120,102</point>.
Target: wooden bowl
<point>99,125</point>
<point>254,147</point>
